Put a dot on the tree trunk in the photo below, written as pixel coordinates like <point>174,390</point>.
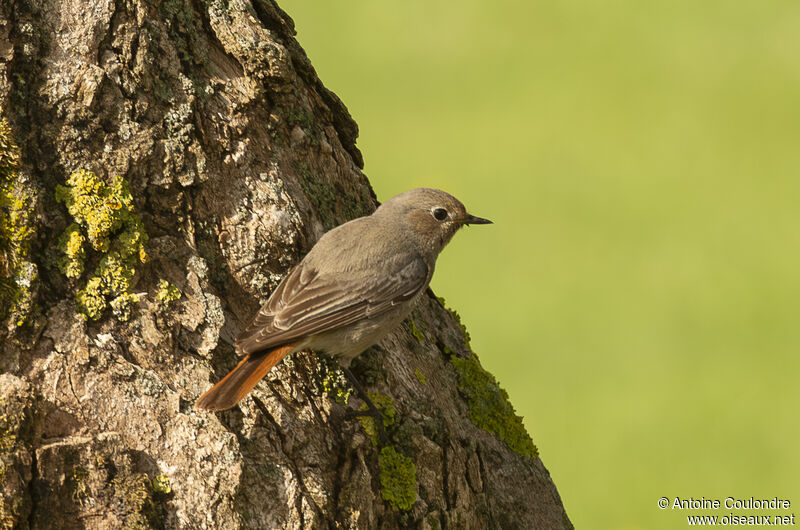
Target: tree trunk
<point>176,157</point>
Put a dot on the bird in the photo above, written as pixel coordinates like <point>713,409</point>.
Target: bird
<point>356,284</point>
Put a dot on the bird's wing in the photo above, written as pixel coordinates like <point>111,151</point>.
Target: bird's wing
<point>307,303</point>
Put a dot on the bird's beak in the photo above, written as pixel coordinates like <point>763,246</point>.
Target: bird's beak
<point>472,220</point>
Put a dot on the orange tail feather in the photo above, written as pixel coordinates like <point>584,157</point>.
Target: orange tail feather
<point>241,380</point>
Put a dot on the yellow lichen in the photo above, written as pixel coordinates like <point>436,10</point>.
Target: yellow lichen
<point>122,306</point>
<point>334,382</point>
<point>17,272</point>
<point>90,300</point>
<point>72,243</point>
<point>103,215</point>
<point>167,292</point>
<point>161,485</point>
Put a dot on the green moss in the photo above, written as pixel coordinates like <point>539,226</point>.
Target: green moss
<point>104,216</point>
<point>398,476</point>
<point>353,206</point>
<point>458,319</point>
<point>319,193</point>
<point>489,407</point>
<point>420,376</point>
<point>17,229</point>
<point>300,116</point>
<point>167,292</point>
<point>419,335</point>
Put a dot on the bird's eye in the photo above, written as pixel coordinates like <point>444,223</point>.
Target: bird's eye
<point>440,214</point>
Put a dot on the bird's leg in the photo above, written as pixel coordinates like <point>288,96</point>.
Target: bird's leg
<point>372,410</point>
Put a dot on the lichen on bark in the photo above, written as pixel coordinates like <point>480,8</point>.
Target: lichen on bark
<point>17,229</point>
<point>103,215</point>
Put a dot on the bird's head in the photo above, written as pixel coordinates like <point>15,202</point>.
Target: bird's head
<point>432,216</point>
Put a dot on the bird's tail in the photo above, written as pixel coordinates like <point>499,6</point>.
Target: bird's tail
<point>241,380</point>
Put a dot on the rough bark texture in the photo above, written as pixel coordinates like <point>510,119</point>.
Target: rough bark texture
<point>237,159</point>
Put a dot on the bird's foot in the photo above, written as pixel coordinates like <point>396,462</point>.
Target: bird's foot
<point>372,410</point>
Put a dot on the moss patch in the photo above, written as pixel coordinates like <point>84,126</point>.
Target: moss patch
<point>419,335</point>
<point>319,193</point>
<point>489,407</point>
<point>458,320</point>
<point>398,476</point>
<point>17,272</point>
<point>104,218</point>
<point>420,376</point>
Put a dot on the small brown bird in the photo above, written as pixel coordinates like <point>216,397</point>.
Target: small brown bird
<point>357,283</point>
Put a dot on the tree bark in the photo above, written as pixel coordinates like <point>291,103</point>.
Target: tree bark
<point>237,160</point>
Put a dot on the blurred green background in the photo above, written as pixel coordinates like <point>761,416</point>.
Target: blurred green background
<point>639,294</point>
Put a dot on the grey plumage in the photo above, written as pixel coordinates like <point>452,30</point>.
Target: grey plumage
<point>356,284</point>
